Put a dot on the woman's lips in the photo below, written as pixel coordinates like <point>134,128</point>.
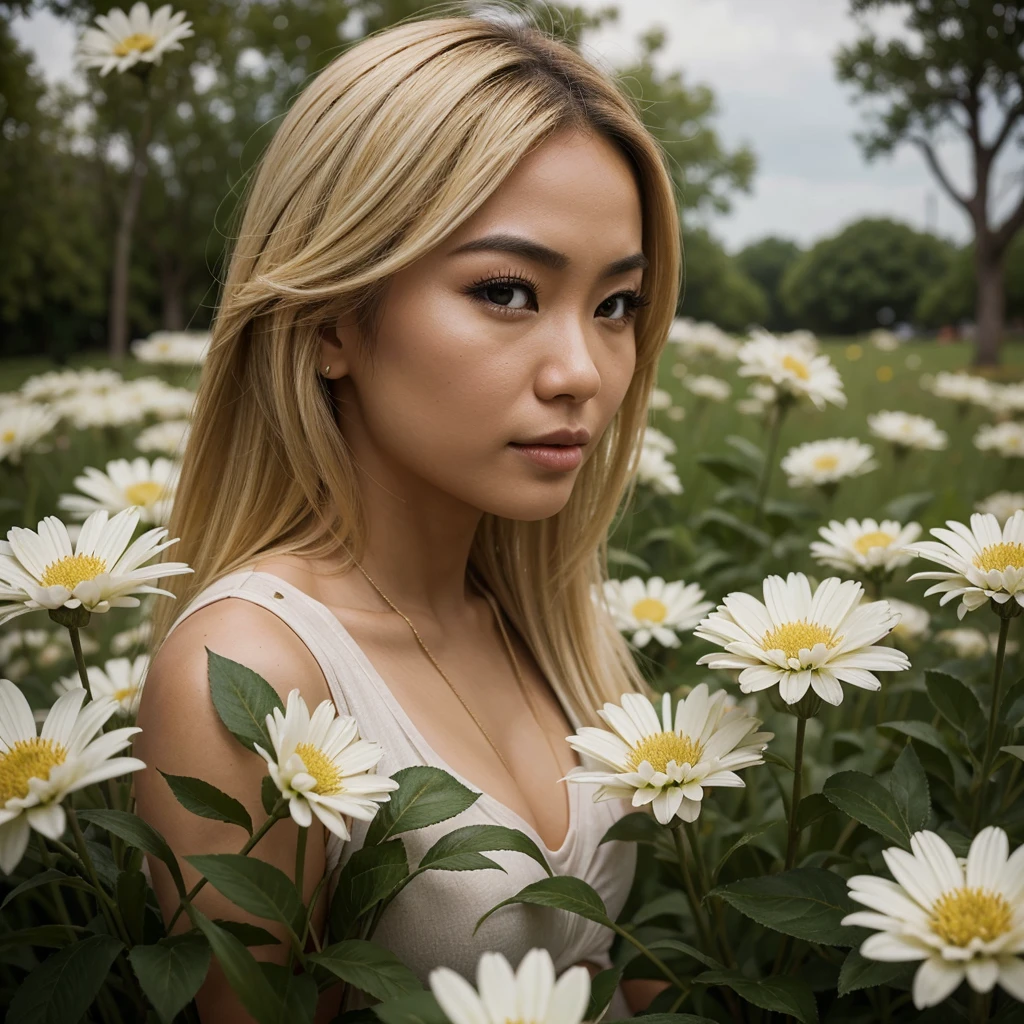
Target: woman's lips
<point>552,456</point>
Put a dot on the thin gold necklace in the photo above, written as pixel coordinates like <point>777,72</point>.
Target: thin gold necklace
<point>515,666</point>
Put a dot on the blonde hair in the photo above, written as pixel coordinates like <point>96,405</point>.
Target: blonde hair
<point>387,151</point>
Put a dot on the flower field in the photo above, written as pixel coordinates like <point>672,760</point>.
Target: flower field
<point>821,573</point>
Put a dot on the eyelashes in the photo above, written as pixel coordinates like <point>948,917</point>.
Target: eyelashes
<point>633,300</point>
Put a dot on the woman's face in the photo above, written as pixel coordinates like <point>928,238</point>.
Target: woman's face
<point>484,347</point>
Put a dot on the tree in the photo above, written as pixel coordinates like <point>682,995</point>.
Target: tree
<point>953,296</point>
<point>964,66</point>
<point>766,262</point>
<point>874,271</point>
<point>716,288</point>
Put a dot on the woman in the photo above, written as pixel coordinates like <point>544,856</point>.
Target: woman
<point>461,240</point>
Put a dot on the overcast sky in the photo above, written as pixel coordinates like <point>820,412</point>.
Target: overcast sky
<point>770,64</point>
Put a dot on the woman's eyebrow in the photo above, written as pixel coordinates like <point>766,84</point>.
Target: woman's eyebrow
<point>531,250</point>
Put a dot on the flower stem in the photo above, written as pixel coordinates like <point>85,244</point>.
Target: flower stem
<point>108,907</point>
<point>691,892</point>
<point>653,957</point>
<point>58,896</point>
<point>778,415</point>
<point>300,858</point>
<point>279,811</point>
<point>798,764</point>
<point>993,717</point>
<point>76,646</point>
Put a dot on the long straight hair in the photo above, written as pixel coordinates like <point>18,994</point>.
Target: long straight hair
<point>382,156</point>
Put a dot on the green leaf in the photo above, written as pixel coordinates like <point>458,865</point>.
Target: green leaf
<point>368,967</point>
<point>754,455</point>
<point>728,468</point>
<point>297,992</point>
<point>675,946</point>
<point>53,935</point>
<point>954,701</point>
<point>248,934</point>
<point>208,801</point>
<point>668,1018</point>
<point>136,832</point>
<point>747,837</point>
<point>426,795</point>
<point>927,733</point>
<point>562,892</point>
<point>43,878</point>
<point>243,700</point>
<point>1017,752</point>
<point>868,802</point>
<point>130,890</point>
<point>636,827</point>
<point>616,556</point>
<point>727,530</point>
<point>368,876</point>
<point>906,506</point>
<point>269,794</point>
<point>243,972</point>
<point>255,885</point>
<point>858,972</point>
<point>171,971</point>
<point>672,903</point>
<point>909,787</point>
<point>813,808</point>
<point>807,903</point>
<point>783,994</point>
<point>415,1008</point>
<point>456,850</point>
<point>64,985</point>
<point>602,988</point>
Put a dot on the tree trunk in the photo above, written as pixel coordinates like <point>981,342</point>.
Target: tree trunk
<point>117,323</point>
<point>172,293</point>
<point>990,309</point>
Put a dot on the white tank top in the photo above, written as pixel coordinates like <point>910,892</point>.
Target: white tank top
<point>430,923</point>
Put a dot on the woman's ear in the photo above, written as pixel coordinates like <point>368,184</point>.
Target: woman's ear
<point>337,347</point>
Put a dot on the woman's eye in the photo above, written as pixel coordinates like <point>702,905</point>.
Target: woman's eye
<point>623,312</point>
<point>505,295</point>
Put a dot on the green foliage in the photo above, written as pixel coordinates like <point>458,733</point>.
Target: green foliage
<point>716,288</point>
<point>843,284</point>
<point>765,262</point>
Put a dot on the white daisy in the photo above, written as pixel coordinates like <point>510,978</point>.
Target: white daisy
<point>660,399</point>
<point>884,340</point>
<point>38,771</point>
<point>669,763</point>
<point>705,386</point>
<point>150,486</point>
<point>654,467</point>
<point>54,384</point>
<point>169,437</point>
<point>985,562</point>
<point>962,388</point>
<point>972,643</point>
<point>530,995</point>
<point>822,463</point>
<point>322,766</point>
<point>799,640</point>
<point>102,571</point>
<point>182,348</point>
<point>654,608</point>
<point>123,40</point>
<point>1002,504</point>
<point>904,430</point>
<point>962,920</point>
<point>121,679</point>
<point>22,426</point>
<point>135,636</point>
<point>790,367</point>
<point>1007,400</point>
<point>865,546</point>
<point>1006,439</point>
<point>702,339</point>
<point>913,622</point>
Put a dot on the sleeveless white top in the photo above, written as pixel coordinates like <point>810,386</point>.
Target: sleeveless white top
<point>430,923</point>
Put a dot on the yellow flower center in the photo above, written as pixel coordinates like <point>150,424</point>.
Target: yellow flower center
<point>794,637</point>
<point>146,492</point>
<point>8,436</point>
<point>796,366</point>
<point>1000,556</point>
<point>650,609</point>
<point>124,693</point>
<point>965,914</point>
<point>141,41</point>
<point>321,767</point>
<point>878,539</point>
<point>826,462</point>
<point>663,747</point>
<point>71,570</point>
<point>27,759</point>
